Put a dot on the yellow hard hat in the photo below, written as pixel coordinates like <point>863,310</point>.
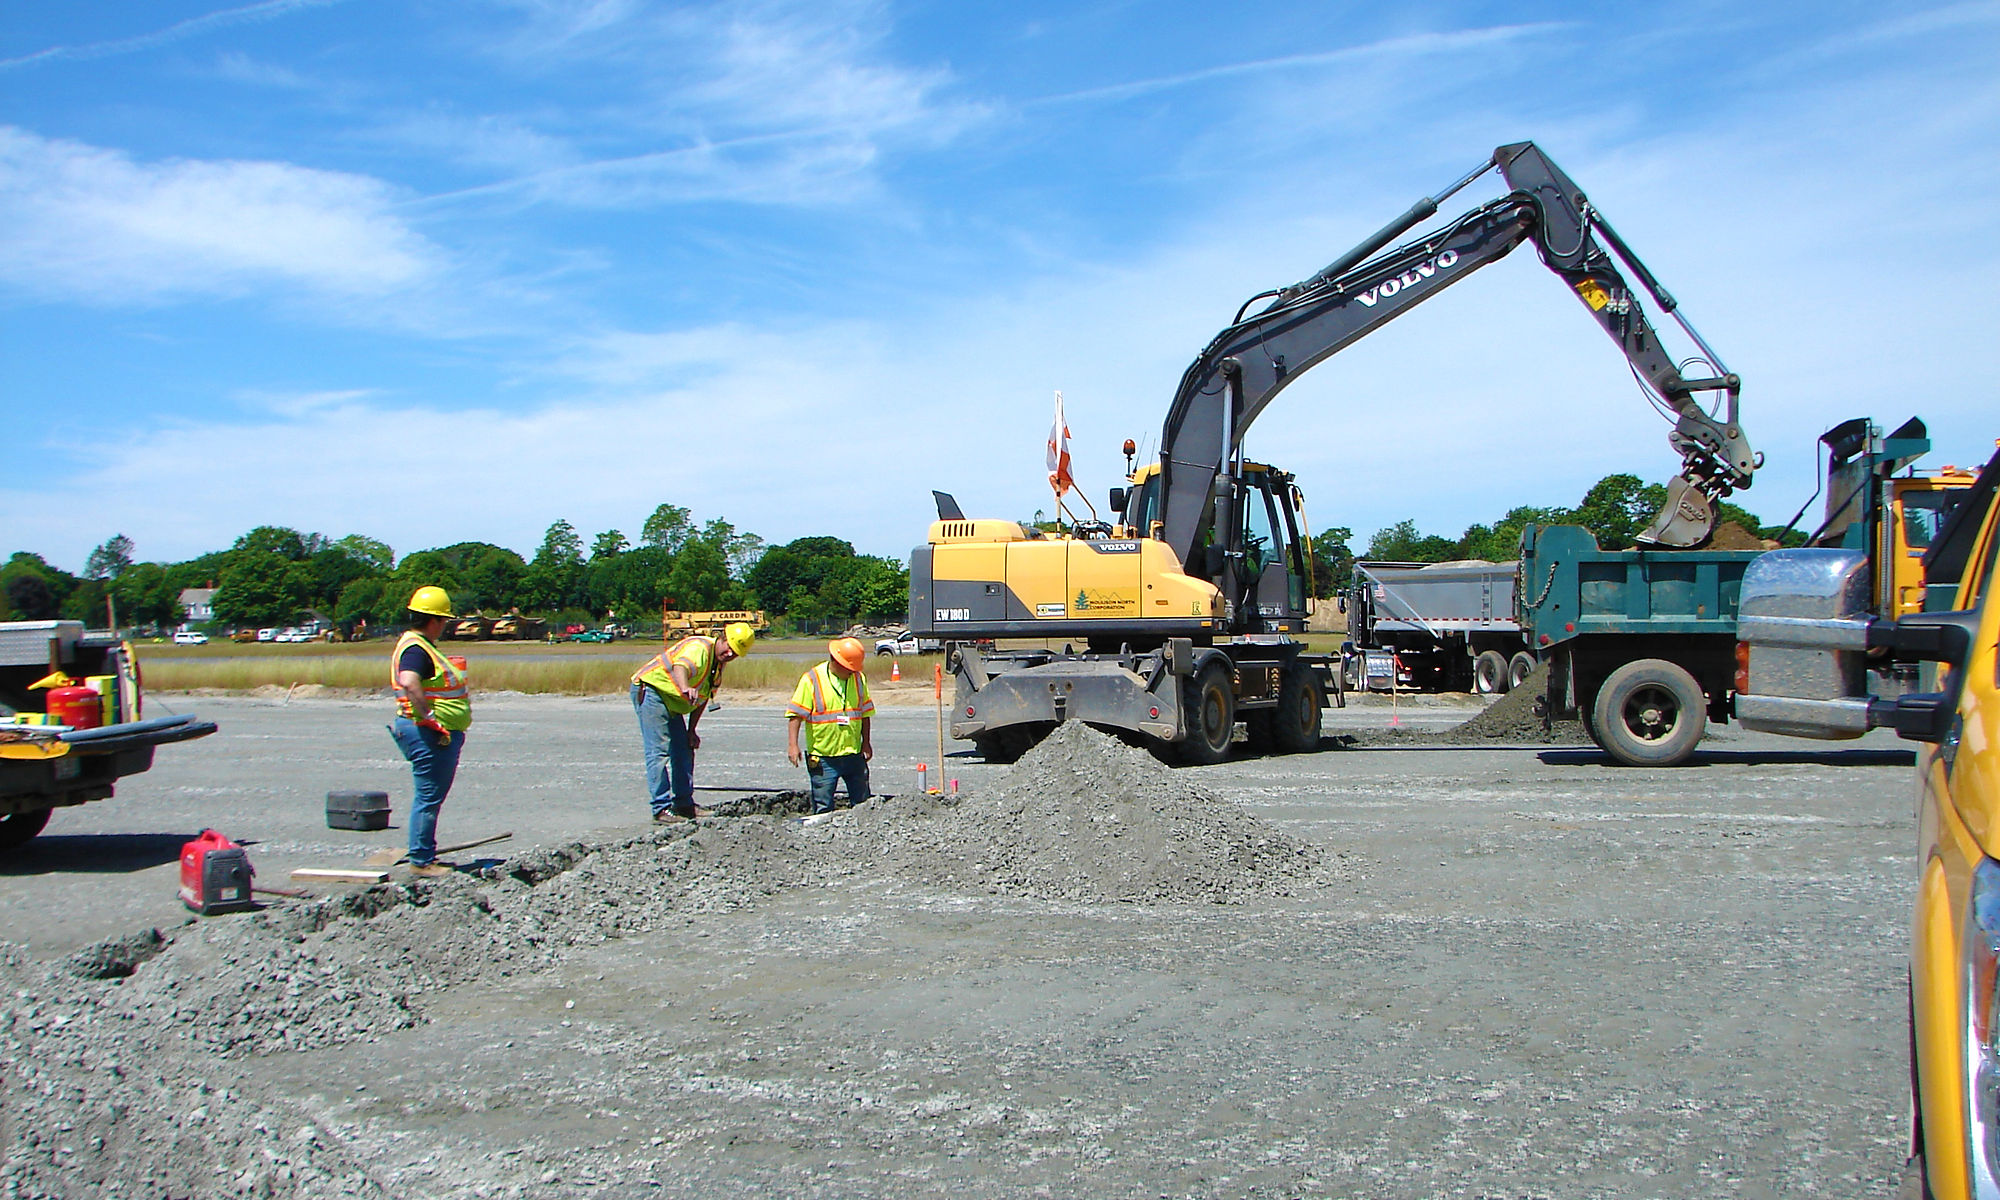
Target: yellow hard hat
<point>430,601</point>
<point>848,652</point>
<point>739,636</point>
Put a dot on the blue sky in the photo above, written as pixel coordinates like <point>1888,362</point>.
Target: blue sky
<point>442,271</point>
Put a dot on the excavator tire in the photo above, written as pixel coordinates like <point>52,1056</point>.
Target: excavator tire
<point>1295,723</point>
<point>1009,744</point>
<point>1212,704</point>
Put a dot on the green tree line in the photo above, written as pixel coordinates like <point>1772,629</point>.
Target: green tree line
<point>1615,510</point>
<point>273,575</point>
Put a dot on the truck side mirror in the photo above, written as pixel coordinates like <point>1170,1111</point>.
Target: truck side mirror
<point>1118,500</point>
<point>1213,561</point>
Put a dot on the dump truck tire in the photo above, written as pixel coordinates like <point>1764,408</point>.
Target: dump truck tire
<point>1519,667</point>
<point>1649,713</point>
<point>1489,673</point>
<point>1295,723</point>
<point>16,829</point>
<point>1212,706</point>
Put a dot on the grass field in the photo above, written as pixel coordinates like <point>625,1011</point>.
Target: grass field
<point>582,669</point>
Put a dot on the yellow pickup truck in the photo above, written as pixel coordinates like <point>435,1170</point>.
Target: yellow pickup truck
<point>1806,638</point>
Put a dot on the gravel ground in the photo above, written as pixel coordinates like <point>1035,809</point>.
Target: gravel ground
<point>1399,967</point>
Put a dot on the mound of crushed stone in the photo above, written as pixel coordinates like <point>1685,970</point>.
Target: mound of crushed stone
<point>1085,817</point>
<point>1510,720</point>
<point>110,1059</point>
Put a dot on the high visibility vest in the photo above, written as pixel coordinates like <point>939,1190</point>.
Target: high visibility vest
<point>450,699</point>
<point>833,710</point>
<point>704,669</point>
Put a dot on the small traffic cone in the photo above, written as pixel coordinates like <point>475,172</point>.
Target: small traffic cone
<point>895,672</point>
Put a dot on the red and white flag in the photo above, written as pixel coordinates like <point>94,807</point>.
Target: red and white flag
<point>1059,477</point>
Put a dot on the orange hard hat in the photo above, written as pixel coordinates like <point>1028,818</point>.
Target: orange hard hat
<point>848,652</point>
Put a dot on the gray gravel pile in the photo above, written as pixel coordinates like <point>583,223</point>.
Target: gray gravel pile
<point>1085,817</point>
<point>109,1051</point>
<point>1510,720</point>
<point>101,1101</point>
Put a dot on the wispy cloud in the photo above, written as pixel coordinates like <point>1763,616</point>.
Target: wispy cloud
<point>265,10</point>
<point>769,103</point>
<point>79,221</point>
<point>1412,46</point>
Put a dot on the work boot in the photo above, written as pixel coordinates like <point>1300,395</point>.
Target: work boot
<point>430,870</point>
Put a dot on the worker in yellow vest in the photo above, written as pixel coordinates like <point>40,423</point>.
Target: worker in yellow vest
<point>669,693</point>
<point>833,704</point>
<point>433,711</point>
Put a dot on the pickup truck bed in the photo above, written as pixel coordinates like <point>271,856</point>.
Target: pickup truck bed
<point>44,767</point>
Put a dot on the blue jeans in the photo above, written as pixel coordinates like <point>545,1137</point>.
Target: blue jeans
<point>825,772</point>
<point>669,757</point>
<point>433,765</point>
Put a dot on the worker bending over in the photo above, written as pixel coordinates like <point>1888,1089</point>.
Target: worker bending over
<point>832,701</point>
<point>669,693</point>
<point>433,711</point>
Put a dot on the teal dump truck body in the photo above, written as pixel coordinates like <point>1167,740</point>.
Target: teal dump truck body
<point>1573,589</point>
<point>1640,644</point>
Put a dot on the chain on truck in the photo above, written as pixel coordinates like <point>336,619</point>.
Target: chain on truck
<point>1182,617</point>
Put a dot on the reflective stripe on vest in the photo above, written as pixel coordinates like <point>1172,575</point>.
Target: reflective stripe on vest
<point>446,690</point>
<point>855,706</point>
<point>657,673</point>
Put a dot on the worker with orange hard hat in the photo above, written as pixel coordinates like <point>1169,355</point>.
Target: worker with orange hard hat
<point>669,694</point>
<point>832,702</point>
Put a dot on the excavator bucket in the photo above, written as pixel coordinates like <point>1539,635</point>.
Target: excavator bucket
<point>1687,520</point>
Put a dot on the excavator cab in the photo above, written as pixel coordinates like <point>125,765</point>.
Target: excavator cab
<point>1262,568</point>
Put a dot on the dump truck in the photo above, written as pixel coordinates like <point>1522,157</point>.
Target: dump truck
<point>1449,626</point>
<point>46,765</point>
<point>1182,617</point>
<point>1643,645</point>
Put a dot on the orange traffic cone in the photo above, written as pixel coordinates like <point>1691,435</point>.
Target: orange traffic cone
<point>895,672</point>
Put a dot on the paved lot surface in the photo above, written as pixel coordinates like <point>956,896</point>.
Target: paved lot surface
<point>1536,974</point>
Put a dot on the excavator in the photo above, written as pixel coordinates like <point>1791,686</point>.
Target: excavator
<point>1187,604</point>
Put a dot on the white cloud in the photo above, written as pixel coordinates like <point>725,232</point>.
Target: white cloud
<point>79,221</point>
<point>264,10</point>
<point>769,103</point>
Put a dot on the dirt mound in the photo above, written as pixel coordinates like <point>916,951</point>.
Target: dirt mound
<point>1085,817</point>
<point>1731,536</point>
<point>1510,720</point>
<point>108,1059</point>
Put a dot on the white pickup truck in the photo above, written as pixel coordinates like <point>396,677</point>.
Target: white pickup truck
<point>44,767</point>
<point>908,643</point>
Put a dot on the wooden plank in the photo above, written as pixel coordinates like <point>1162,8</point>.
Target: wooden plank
<point>338,875</point>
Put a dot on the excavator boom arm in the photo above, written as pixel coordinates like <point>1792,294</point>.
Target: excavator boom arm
<point>1247,364</point>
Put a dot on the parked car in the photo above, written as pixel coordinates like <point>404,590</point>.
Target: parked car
<point>190,637</point>
<point>267,635</point>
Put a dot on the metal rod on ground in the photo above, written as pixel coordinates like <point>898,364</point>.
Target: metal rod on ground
<point>937,684</point>
<point>295,893</point>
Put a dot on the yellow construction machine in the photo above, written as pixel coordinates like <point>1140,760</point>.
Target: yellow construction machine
<point>1187,607</point>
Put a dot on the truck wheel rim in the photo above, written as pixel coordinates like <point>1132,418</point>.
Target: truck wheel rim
<point>1651,713</point>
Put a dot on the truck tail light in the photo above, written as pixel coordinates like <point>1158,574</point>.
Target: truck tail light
<point>1742,667</point>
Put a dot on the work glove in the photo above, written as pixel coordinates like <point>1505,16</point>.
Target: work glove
<point>431,723</point>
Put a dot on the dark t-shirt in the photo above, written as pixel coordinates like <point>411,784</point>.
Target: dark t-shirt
<point>414,659</point>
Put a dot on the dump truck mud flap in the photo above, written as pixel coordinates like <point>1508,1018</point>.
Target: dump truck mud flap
<point>1100,693</point>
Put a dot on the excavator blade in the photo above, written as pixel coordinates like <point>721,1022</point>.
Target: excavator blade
<point>1686,521</point>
